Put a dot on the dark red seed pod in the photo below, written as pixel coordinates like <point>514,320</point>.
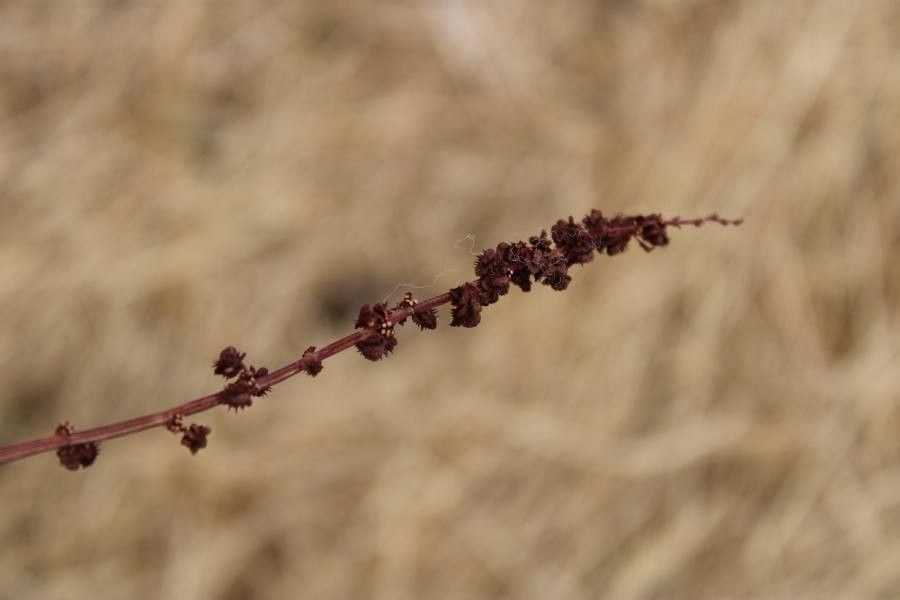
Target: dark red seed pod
<point>536,261</point>
<point>381,341</point>
<point>76,456</point>
<point>519,256</point>
<point>522,279</point>
<point>230,362</point>
<point>619,232</point>
<point>239,394</point>
<point>575,242</point>
<point>310,363</point>
<point>466,310</point>
<point>541,242</point>
<point>376,348</point>
<point>490,264</point>
<point>259,374</point>
<point>493,272</point>
<point>555,272</point>
<point>425,318</point>
<point>194,438</point>
<point>594,222</point>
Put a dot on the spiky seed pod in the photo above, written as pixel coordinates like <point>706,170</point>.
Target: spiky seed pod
<point>466,310</point>
<point>239,394</point>
<point>575,242</point>
<point>493,272</point>
<point>230,362</point>
<point>76,456</point>
<point>381,342</point>
<point>424,318</point>
<point>310,363</point>
<point>194,438</point>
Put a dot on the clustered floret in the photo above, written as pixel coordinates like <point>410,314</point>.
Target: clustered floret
<point>546,259</point>
<point>75,456</point>
<point>193,436</point>
<point>239,394</point>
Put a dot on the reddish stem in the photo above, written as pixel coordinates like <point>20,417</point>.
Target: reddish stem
<point>22,450</point>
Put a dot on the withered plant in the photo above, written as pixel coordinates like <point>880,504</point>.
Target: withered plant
<point>545,259</point>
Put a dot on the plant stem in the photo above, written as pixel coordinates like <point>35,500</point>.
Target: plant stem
<point>22,450</point>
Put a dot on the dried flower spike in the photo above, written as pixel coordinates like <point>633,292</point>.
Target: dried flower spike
<point>544,258</point>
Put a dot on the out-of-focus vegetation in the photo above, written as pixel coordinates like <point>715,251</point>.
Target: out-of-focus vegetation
<point>720,419</point>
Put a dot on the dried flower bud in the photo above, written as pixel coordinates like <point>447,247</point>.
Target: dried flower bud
<point>575,242</point>
<point>652,232</point>
<point>555,273</point>
<point>381,341</point>
<point>493,273</point>
<point>194,437</point>
<point>174,424</point>
<point>466,310</point>
<point>230,362</point>
<point>618,233</point>
<point>310,363</point>
<point>238,394</point>
<point>521,278</point>
<point>517,256</point>
<point>425,318</point>
<point>536,260</point>
<point>540,242</point>
<point>75,456</point>
<point>490,264</point>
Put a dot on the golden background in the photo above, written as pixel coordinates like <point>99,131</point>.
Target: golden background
<point>718,419</point>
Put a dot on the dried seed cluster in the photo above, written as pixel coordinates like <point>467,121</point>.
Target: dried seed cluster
<point>425,318</point>
<point>310,362</point>
<point>193,436</point>
<point>75,456</point>
<point>546,259</point>
<point>377,320</point>
<point>239,393</point>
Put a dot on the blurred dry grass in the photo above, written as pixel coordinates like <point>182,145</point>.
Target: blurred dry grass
<point>717,420</point>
